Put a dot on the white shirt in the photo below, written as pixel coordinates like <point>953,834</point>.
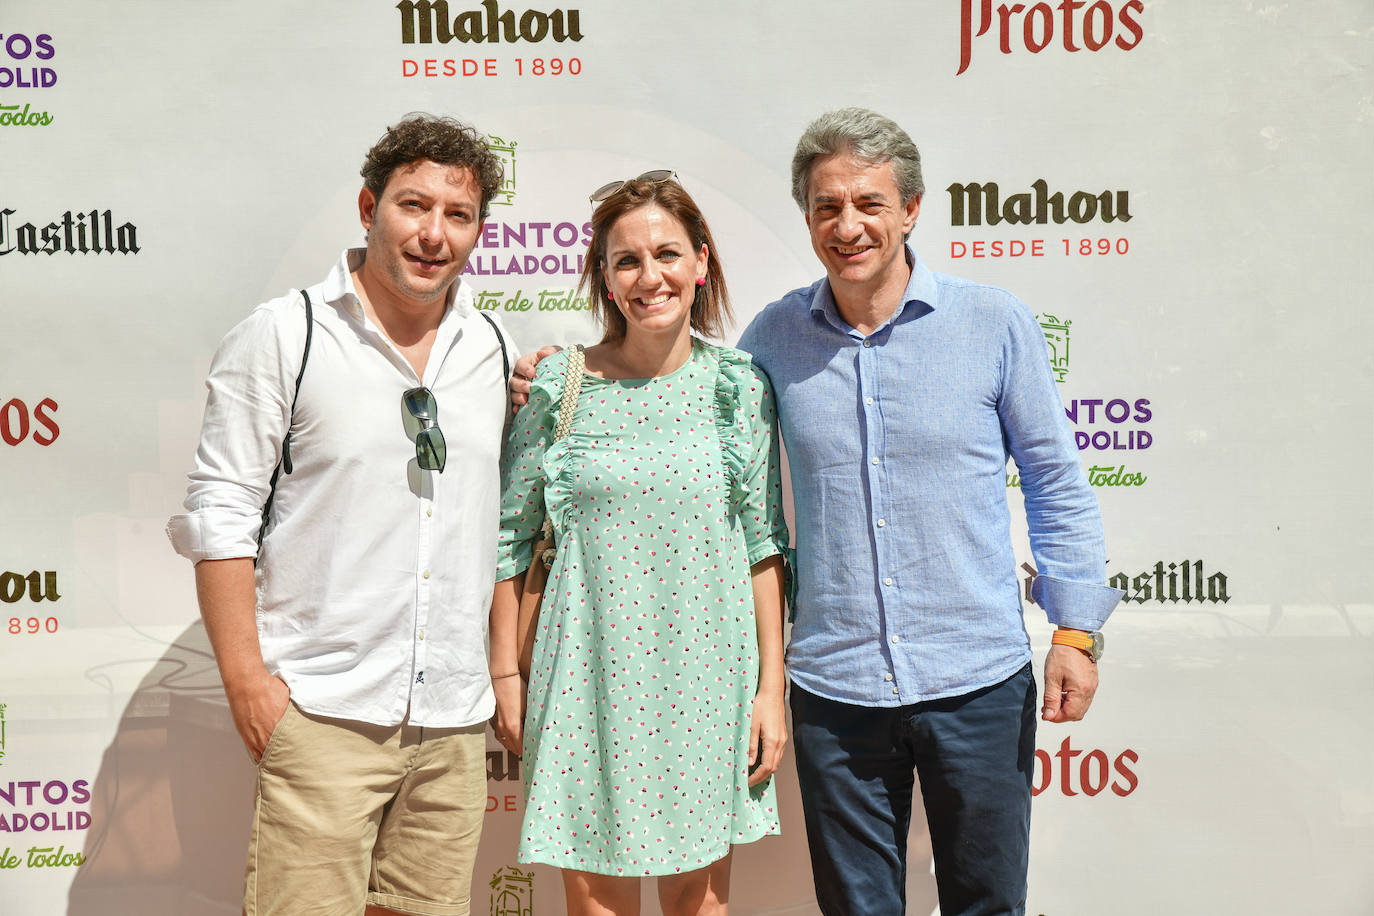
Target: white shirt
<point>375,576</point>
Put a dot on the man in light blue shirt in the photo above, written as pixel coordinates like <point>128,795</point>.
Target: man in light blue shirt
<point>901,394</point>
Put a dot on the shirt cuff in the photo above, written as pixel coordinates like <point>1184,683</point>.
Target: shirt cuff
<point>1080,605</point>
<point>215,534</point>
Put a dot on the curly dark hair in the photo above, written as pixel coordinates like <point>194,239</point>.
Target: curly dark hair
<point>710,309</point>
<point>446,141</point>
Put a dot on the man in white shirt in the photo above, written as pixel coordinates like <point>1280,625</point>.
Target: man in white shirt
<point>354,659</point>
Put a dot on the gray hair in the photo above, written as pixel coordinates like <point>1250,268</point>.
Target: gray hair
<point>865,135</point>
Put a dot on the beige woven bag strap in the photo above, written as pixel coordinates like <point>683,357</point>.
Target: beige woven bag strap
<point>572,389</point>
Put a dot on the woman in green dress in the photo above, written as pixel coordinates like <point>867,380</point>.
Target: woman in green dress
<point>653,716</point>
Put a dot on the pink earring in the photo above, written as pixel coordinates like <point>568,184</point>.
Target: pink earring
<point>610,295</point>
<point>701,281</point>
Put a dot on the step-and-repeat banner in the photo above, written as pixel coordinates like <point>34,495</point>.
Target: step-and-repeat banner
<point>1182,191</point>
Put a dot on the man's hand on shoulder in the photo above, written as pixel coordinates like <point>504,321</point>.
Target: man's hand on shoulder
<point>523,375</point>
<point>257,708</point>
<point>1070,682</point>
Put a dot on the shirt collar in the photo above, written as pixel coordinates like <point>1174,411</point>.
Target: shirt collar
<point>920,290</point>
<point>339,290</point>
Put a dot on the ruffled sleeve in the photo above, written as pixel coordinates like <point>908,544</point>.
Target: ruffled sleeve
<point>522,469</point>
<point>747,424</point>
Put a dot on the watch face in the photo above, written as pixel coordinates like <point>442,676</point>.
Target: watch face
<point>1096,649</point>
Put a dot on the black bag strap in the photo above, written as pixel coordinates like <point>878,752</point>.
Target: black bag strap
<point>505,357</point>
<point>285,463</point>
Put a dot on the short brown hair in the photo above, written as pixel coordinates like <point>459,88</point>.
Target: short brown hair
<point>711,306</point>
<point>446,141</point>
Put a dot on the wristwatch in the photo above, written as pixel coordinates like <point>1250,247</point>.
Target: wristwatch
<point>1091,643</point>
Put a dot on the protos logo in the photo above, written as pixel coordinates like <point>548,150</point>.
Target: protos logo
<point>427,21</point>
<point>1095,772</point>
<point>17,421</point>
<point>1034,27</point>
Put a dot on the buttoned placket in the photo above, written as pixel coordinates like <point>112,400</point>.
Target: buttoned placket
<point>875,438</point>
<point>424,553</point>
<point>444,341</point>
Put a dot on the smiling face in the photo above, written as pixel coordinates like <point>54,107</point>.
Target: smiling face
<point>421,231</point>
<point>858,224</point>
<point>652,270</point>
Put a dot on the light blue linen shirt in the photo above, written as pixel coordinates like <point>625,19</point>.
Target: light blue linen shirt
<point>898,442</point>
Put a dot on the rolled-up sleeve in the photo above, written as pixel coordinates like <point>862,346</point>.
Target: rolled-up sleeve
<point>246,416</point>
<point>765,529</point>
<point>1062,515</point>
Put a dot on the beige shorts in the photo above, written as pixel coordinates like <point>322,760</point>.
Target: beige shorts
<point>348,812</point>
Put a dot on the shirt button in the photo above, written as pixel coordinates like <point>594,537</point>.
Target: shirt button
<point>896,639</point>
<point>887,581</point>
<point>875,460</point>
<point>888,676</point>
<point>422,636</point>
<point>868,343</point>
<point>429,512</point>
<point>895,690</point>
<point>882,523</point>
<point>868,400</point>
<point>426,574</point>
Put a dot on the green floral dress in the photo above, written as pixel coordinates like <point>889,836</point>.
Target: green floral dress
<point>662,496</point>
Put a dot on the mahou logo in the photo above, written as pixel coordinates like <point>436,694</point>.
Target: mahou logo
<point>1076,25</point>
<point>428,21</point>
<point>976,203</point>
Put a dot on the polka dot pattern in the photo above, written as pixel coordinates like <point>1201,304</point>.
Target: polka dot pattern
<point>646,659</point>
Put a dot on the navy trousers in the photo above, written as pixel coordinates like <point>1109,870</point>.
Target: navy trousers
<point>857,768</point>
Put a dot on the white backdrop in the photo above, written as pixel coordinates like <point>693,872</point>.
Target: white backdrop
<point>1217,357</point>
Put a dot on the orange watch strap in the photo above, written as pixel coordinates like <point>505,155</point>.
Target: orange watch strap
<point>1076,638</point>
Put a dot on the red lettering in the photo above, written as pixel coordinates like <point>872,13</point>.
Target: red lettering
<point>431,67</point>
<point>1132,781</point>
<point>409,67</point>
<point>957,249</point>
<point>1046,27</point>
<point>1090,785</point>
<point>469,67</point>
<point>1004,13</point>
<point>489,66</point>
<point>14,408</point>
<point>1044,767</point>
<point>1067,7</point>
<point>44,419</point>
<point>1132,25</point>
<point>1103,10</point>
<point>1065,755</point>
